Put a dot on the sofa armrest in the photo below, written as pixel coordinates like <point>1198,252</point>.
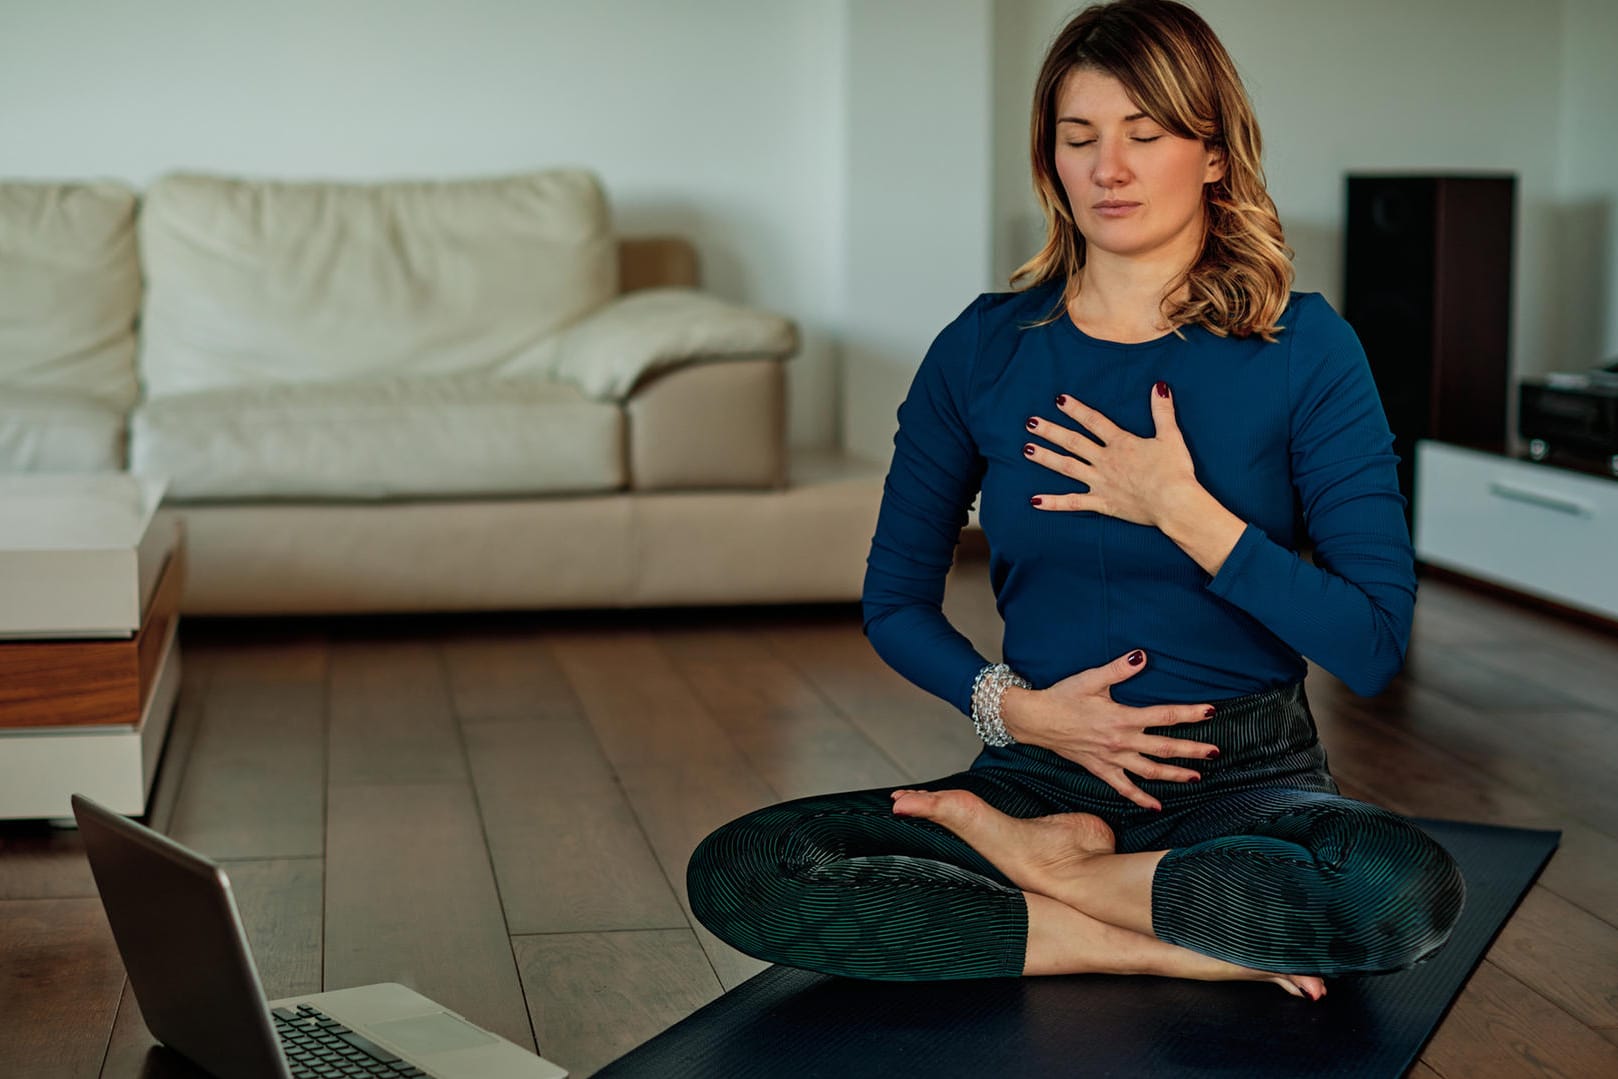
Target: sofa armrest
<point>608,352</point>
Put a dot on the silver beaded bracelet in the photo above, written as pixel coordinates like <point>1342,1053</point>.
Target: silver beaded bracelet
<point>987,689</point>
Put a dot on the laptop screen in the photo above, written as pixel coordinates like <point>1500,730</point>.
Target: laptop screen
<point>177,928</point>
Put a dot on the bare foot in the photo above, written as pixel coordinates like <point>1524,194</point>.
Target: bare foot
<point>1036,853</point>
<point>1039,853</point>
<point>1175,961</point>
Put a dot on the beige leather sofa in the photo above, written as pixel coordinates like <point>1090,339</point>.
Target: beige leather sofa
<point>417,396</point>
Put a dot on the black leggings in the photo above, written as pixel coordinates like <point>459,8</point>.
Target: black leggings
<point>1268,865</point>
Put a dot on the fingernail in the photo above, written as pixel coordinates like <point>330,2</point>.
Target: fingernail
<point>1061,399</point>
<point>1195,777</point>
<point>1136,657</point>
<point>1162,389</point>
<point>1157,809</point>
<point>1212,753</point>
<point>1035,500</point>
<point>1028,449</point>
<point>1032,423</point>
<point>1208,713</point>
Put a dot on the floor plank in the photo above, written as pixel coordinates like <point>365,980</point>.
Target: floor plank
<point>390,718</point>
<point>595,996</point>
<point>924,735</point>
<point>791,735</point>
<point>1565,954</point>
<point>60,978</point>
<point>506,674</point>
<point>1473,681</point>
<point>1584,870</point>
<point>410,898</point>
<point>1541,752</point>
<point>1500,1027</point>
<point>681,772</point>
<point>257,784</point>
<point>568,851</point>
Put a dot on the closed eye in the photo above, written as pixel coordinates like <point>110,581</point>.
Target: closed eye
<point>1087,142</point>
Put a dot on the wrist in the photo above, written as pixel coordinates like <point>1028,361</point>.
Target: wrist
<point>1183,508</point>
<point>1014,707</point>
<point>1201,527</point>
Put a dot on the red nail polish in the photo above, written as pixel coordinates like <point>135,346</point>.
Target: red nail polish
<point>1136,657</point>
<point>1028,449</point>
<point>1208,713</point>
<point>1212,753</point>
<point>1157,809</point>
<point>1195,778</point>
<point>1032,423</point>
<point>1162,389</point>
<point>1034,500</point>
<point>1061,399</point>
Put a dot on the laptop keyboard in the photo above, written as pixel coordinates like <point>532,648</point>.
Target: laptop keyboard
<point>319,1047</point>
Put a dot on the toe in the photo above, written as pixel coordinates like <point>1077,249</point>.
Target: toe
<point>915,803</point>
<point>954,809</point>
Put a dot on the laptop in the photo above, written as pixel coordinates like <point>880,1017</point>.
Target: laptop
<point>176,925</point>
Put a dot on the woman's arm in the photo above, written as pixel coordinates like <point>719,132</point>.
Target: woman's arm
<point>936,472</point>
<point>1351,611</point>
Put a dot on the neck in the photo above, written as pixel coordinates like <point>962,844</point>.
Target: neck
<point>1130,290</point>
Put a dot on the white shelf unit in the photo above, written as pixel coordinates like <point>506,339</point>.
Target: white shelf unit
<point>1545,531</point>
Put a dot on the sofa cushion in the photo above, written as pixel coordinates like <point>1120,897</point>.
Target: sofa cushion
<point>253,283</point>
<point>387,438</point>
<point>709,426</point>
<point>69,290</point>
<point>609,352</point>
<point>57,432</point>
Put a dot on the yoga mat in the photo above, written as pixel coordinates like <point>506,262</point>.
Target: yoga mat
<point>789,1022</point>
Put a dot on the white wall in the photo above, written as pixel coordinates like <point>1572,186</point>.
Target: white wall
<point>919,225</point>
<point>719,120</point>
<point>1587,237</point>
<point>1463,85</point>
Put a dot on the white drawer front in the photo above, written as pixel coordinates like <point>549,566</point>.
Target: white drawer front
<point>1539,529</point>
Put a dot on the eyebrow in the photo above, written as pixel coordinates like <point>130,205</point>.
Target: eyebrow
<point>1086,123</point>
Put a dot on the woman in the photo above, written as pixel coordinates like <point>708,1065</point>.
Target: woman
<point>1144,416</point>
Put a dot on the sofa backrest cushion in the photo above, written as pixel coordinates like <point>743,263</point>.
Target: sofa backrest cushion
<point>272,282</point>
<point>69,290</point>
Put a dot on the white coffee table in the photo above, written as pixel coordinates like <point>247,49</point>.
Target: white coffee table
<point>90,586</point>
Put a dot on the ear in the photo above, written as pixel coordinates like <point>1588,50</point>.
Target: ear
<point>1215,170</point>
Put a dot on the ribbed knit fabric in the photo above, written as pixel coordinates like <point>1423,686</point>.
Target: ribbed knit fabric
<point>1265,423</point>
<point>1268,866</point>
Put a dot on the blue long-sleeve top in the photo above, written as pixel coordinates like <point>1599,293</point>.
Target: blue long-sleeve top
<point>1266,424</point>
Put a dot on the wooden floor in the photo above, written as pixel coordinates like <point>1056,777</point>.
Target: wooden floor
<point>498,811</point>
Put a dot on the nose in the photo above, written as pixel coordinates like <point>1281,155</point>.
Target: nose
<point>1110,169</point>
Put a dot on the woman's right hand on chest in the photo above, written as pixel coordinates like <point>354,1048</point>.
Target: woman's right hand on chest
<point>1078,719</point>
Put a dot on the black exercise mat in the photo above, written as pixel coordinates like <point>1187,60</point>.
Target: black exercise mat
<point>788,1022</point>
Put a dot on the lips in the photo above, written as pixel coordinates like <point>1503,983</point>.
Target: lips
<point>1115,208</point>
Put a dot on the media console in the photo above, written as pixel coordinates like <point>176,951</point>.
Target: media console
<point>1532,527</point>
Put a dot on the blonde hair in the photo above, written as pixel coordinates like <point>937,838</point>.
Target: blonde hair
<point>1175,69</point>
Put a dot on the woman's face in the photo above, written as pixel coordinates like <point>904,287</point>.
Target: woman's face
<point>1107,150</point>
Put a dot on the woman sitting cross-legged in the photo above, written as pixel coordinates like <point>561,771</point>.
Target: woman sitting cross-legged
<point>1144,415</point>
